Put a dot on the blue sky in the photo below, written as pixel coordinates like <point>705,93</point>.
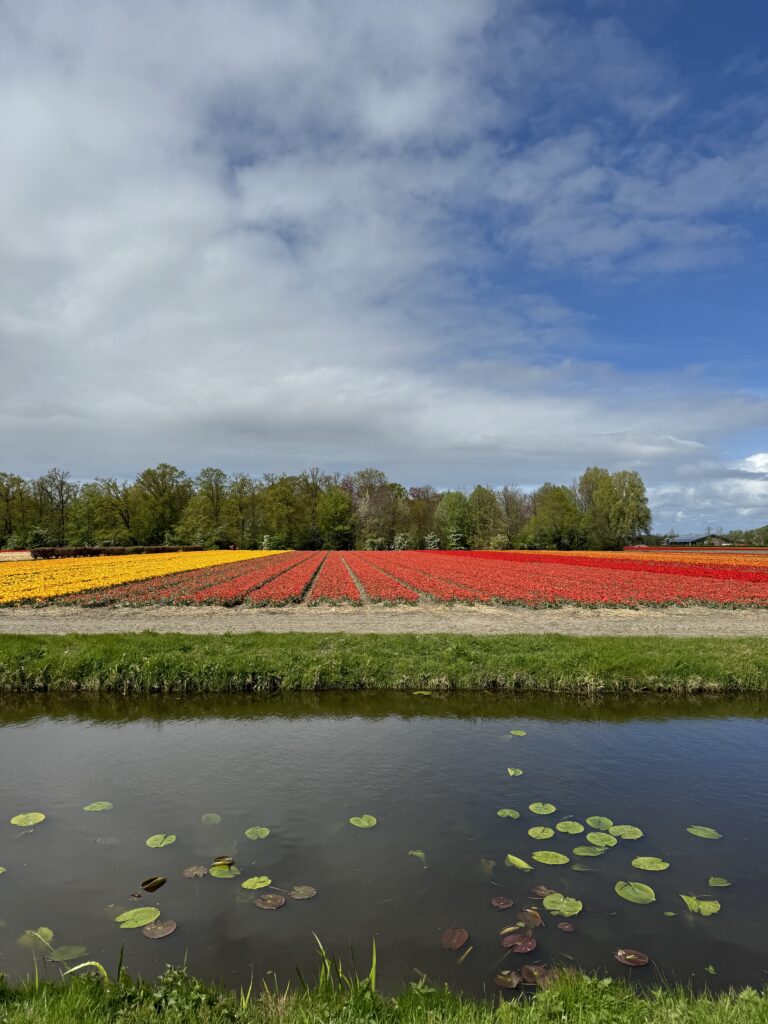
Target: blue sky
<point>461,240</point>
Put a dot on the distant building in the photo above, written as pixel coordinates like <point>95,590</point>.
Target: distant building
<point>694,540</point>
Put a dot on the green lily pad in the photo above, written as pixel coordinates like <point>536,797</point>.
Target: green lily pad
<point>507,812</point>
<point>3,870</point>
<point>670,913</point>
<point>626,831</point>
<point>517,862</point>
<point>210,819</point>
<point>37,939</point>
<point>138,918</point>
<point>538,808</point>
<point>650,864</point>
<point>160,840</point>
<point>257,832</point>
<point>602,839</point>
<point>64,953</point>
<point>514,771</point>
<point>550,857</point>
<point>28,819</point>
<point>541,832</point>
<point>99,805</point>
<point>714,881</point>
<point>635,892</point>
<point>710,969</point>
<point>364,821</point>
<point>571,828</point>
<point>224,871</point>
<point>419,855</point>
<point>596,821</point>
<point>704,907</point>
<point>580,867</point>
<point>256,882</point>
<point>589,851</point>
<point>517,732</point>
<point>562,906</point>
<point>703,832</point>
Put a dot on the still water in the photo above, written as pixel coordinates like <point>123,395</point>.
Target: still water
<point>434,772</point>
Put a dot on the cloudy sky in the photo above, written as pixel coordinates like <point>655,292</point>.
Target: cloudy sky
<point>460,240</point>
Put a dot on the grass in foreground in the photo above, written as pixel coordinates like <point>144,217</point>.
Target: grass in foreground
<point>150,662</point>
<point>176,998</point>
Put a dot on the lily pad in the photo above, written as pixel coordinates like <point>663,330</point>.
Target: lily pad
<point>64,953</point>
<point>224,871</point>
<point>257,832</point>
<point>223,861</point>
<point>529,918</point>
<point>28,819</point>
<point>3,870</point>
<point>272,901</point>
<point>210,819</point>
<point>538,808</point>
<point>703,832</point>
<point>715,881</point>
<point>571,828</point>
<point>537,974</point>
<point>650,864</point>
<point>161,839</point>
<point>600,823</point>
<point>626,831</point>
<point>99,805</point>
<point>454,938</point>
<point>550,857</point>
<point>519,943</point>
<point>364,821</point>
<point>419,855</point>
<point>601,839</point>
<point>635,892</point>
<point>153,883</point>
<point>704,907</point>
<point>507,812</point>
<point>562,906</point>
<point>589,851</point>
<point>138,918</point>
<point>517,862</point>
<point>302,892</point>
<point>256,882</point>
<point>631,957</point>
<point>514,771</point>
<point>502,902</point>
<point>195,871</point>
<point>541,832</point>
<point>38,939</point>
<point>517,732</point>
<point>159,929</point>
<point>508,979</point>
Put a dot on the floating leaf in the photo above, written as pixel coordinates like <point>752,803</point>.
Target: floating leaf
<point>502,902</point>
<point>580,867</point>
<point>3,870</point>
<point>508,979</point>
<point>257,832</point>
<point>635,892</point>
<point>669,913</point>
<point>64,953</point>
<point>631,957</point>
<point>704,907</point>
<point>517,862</point>
<point>28,819</point>
<point>596,821</point>
<point>650,864</point>
<point>195,871</point>
<point>138,918</point>
<point>626,831</point>
<point>562,906</point>
<point>210,819</point>
<point>38,939</point>
<point>518,943</point>
<point>517,732</point>
<point>703,832</point>
<point>566,926</point>
<point>223,861</point>
<point>302,892</point>
<point>154,883</point>
<point>537,974</point>
<point>160,840</point>
<point>550,857</point>
<point>99,805</point>
<point>601,839</point>
<point>454,938</point>
<point>419,855</point>
<point>539,808</point>
<point>224,871</point>
<point>364,821</point>
<point>571,828</point>
<point>541,832</point>
<point>256,882</point>
<point>713,881</point>
<point>710,969</point>
<point>159,929</point>
<point>589,851</point>
<point>530,918</point>
<point>272,901</point>
<point>514,771</point>
<point>508,812</point>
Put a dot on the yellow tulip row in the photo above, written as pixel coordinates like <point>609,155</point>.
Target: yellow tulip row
<point>25,581</point>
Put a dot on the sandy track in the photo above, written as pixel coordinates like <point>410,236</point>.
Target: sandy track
<point>690,621</point>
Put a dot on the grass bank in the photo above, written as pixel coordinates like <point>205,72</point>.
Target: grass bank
<point>172,663</point>
<point>174,999</point>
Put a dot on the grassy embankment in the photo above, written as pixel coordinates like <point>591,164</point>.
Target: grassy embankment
<point>148,662</point>
<point>175,999</point>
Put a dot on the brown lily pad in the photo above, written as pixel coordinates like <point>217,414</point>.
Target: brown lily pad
<point>566,926</point>
<point>154,883</point>
<point>631,957</point>
<point>272,901</point>
<point>195,871</point>
<point>159,929</point>
<point>302,892</point>
<point>502,902</point>
<point>541,891</point>
<point>537,974</point>
<point>530,917</point>
<point>518,943</point>
<point>454,938</point>
<point>223,862</point>
<point>508,979</point>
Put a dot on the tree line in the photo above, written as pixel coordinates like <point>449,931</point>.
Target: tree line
<point>312,509</point>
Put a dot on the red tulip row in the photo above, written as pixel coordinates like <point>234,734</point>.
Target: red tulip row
<point>289,587</point>
<point>334,583</point>
<point>416,574</point>
<point>378,585</point>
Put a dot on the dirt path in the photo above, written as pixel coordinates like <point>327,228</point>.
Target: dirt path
<point>691,621</point>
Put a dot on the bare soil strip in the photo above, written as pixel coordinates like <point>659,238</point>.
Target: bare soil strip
<point>477,621</point>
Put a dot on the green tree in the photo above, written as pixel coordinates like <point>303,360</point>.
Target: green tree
<point>485,517</point>
<point>557,519</point>
<point>163,494</point>
<point>336,519</point>
<point>452,519</point>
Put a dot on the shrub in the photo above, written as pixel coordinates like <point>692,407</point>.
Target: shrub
<point>88,552</point>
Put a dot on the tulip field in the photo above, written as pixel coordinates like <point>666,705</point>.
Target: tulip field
<point>630,579</point>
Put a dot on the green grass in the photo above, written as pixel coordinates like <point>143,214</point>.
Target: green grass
<point>150,662</point>
<point>174,999</point>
